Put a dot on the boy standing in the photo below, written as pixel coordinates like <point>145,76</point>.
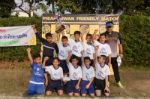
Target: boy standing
<point>89,50</point>
<point>76,47</point>
<point>49,47</point>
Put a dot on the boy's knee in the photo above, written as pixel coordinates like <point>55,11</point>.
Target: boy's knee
<point>76,94</point>
<point>92,95</point>
<point>83,95</point>
<point>60,93</point>
<point>70,94</point>
<point>48,93</point>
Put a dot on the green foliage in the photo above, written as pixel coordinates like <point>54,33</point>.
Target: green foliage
<point>134,33</point>
<point>18,53</point>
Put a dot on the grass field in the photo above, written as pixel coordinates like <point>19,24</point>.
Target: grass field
<point>14,80</point>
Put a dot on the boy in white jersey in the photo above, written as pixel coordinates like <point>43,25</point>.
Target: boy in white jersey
<point>89,50</point>
<point>88,75</point>
<point>104,48</point>
<point>75,74</point>
<point>64,53</point>
<point>101,77</point>
<point>55,80</point>
<point>76,47</point>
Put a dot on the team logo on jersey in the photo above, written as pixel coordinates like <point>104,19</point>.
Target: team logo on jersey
<point>62,53</point>
<point>75,75</point>
<point>103,51</point>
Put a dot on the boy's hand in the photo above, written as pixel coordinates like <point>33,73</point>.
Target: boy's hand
<point>28,49</point>
<point>77,86</point>
<point>95,31</point>
<point>46,58</point>
<point>34,28</point>
<point>107,89</point>
<point>87,86</point>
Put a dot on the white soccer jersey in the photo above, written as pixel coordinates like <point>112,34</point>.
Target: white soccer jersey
<point>101,72</point>
<point>74,73</point>
<point>89,50</point>
<point>87,73</point>
<point>55,74</point>
<point>104,49</point>
<point>76,47</point>
<point>63,51</point>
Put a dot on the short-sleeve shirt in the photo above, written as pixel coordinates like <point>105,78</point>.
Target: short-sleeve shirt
<point>102,72</point>
<point>87,73</point>
<point>89,50</point>
<point>76,47</point>
<point>113,40</point>
<point>63,51</point>
<point>37,76</point>
<point>104,49</point>
<point>74,73</point>
<point>55,74</point>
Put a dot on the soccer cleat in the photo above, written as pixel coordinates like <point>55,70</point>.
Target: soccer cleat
<point>120,85</point>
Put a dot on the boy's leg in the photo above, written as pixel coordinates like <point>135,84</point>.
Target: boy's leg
<point>98,92</point>
<point>76,91</point>
<point>40,89</point>
<point>91,90</point>
<point>83,88</point>
<point>59,87</point>
<point>31,89</point>
<point>70,88</point>
<point>64,66</point>
<point>115,69</point>
<point>50,88</point>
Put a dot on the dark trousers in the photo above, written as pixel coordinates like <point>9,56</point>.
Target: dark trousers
<point>115,68</point>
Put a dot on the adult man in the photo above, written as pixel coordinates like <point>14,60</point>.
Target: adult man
<point>113,39</point>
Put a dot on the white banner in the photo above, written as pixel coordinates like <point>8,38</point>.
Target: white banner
<point>17,36</point>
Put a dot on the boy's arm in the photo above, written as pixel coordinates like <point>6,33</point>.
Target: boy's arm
<point>96,53</point>
<point>78,84</point>
<point>44,62</point>
<point>94,34</point>
<point>38,35</point>
<point>29,55</point>
<point>106,83</point>
<point>56,49</point>
<point>109,60</point>
<point>46,79</point>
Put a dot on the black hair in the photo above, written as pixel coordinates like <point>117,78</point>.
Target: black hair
<point>103,34</point>
<point>64,37</point>
<point>48,35</point>
<point>89,35</point>
<point>36,56</point>
<point>56,58</point>
<point>109,22</point>
<point>77,32</point>
<point>87,58</point>
<point>104,57</point>
<point>74,57</point>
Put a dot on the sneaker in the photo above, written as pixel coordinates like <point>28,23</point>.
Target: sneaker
<point>120,85</point>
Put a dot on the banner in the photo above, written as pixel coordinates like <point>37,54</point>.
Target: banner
<point>17,36</point>
<point>86,23</point>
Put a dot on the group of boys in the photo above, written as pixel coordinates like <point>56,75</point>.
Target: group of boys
<point>80,68</point>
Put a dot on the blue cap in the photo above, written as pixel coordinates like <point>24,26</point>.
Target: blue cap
<point>109,24</point>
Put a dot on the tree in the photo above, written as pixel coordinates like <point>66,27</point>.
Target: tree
<point>6,7</point>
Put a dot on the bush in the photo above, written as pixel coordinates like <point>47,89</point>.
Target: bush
<point>135,33</point>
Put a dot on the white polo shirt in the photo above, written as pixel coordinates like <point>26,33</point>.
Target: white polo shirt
<point>89,50</point>
<point>55,74</point>
<point>74,73</point>
<point>104,49</point>
<point>63,51</point>
<point>76,47</point>
<point>87,73</point>
<point>101,72</point>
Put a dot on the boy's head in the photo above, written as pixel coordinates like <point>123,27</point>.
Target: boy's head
<point>77,35</point>
<point>64,40</point>
<point>109,26</point>
<point>89,38</point>
<point>87,61</point>
<point>102,38</point>
<point>102,59</point>
<point>74,61</point>
<point>37,59</point>
<point>48,37</point>
<point>56,62</point>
